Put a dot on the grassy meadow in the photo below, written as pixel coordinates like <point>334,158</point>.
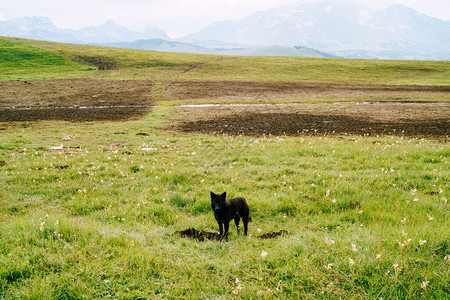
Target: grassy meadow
<point>368,217</point>
<point>118,63</point>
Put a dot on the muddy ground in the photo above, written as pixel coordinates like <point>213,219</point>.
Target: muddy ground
<point>414,111</point>
<point>61,99</point>
<point>215,236</point>
<point>70,92</point>
<point>73,114</point>
<point>399,119</point>
<point>264,91</point>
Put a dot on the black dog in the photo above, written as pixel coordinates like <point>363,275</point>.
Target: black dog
<point>227,209</point>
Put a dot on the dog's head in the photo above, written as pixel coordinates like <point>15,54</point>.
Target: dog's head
<point>218,201</point>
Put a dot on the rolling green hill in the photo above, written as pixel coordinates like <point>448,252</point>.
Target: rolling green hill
<point>117,63</point>
<point>18,60</point>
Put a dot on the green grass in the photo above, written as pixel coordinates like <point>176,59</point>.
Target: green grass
<point>138,64</point>
<point>97,221</point>
<point>368,217</point>
<point>20,61</point>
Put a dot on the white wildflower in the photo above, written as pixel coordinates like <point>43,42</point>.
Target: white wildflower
<point>328,267</point>
<point>422,242</point>
<point>237,289</point>
<point>430,217</point>
<point>263,254</point>
<point>351,262</point>
<point>354,248</point>
<point>424,284</point>
<point>329,241</point>
<point>378,256</point>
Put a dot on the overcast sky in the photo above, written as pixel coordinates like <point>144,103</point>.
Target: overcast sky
<point>176,17</point>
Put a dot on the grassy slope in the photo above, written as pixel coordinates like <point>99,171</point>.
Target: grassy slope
<point>20,61</point>
<point>139,64</point>
<point>96,221</point>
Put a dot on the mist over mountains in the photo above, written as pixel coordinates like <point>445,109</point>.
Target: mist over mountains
<point>341,28</point>
<point>42,28</point>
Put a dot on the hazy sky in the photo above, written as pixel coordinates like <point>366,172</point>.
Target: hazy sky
<point>176,17</point>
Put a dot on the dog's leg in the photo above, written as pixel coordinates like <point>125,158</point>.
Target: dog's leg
<point>220,229</point>
<point>236,221</point>
<point>225,234</point>
<point>245,221</point>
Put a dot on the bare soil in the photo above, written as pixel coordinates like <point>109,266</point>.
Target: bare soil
<point>264,91</point>
<point>70,92</point>
<point>73,114</point>
<point>272,235</point>
<point>399,119</point>
<point>416,111</point>
<point>60,100</point>
<point>214,236</point>
<point>199,235</point>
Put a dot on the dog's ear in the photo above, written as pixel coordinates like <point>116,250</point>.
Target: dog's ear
<point>224,195</point>
<point>213,195</point>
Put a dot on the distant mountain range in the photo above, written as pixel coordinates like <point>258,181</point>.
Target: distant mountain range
<point>337,27</point>
<point>342,28</point>
<point>43,29</point>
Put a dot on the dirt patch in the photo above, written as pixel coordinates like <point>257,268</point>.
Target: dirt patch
<point>72,114</point>
<point>67,92</point>
<point>214,236</point>
<point>272,235</point>
<point>264,91</point>
<point>409,120</point>
<point>66,99</point>
<point>199,235</point>
<point>119,100</point>
<point>71,92</point>
<point>101,62</point>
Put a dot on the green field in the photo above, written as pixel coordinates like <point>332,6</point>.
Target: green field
<point>139,64</point>
<point>367,217</point>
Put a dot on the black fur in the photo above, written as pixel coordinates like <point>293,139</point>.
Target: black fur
<point>226,210</point>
